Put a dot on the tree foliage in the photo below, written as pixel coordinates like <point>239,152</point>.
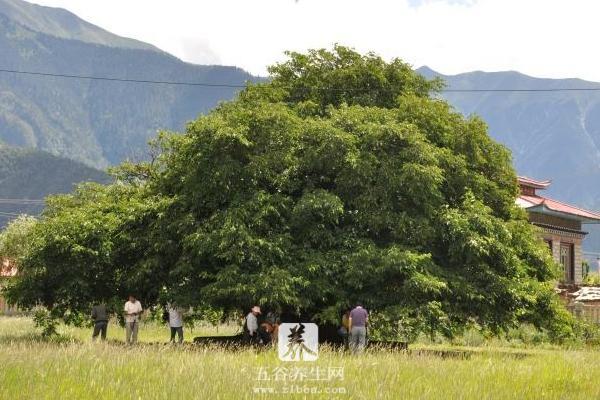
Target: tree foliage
<point>343,179</point>
<point>16,238</point>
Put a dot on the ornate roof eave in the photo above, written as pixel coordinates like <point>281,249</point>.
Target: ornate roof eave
<point>543,209</point>
<point>525,181</point>
<point>559,229</point>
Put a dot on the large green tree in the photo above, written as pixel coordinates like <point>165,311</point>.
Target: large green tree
<point>342,179</point>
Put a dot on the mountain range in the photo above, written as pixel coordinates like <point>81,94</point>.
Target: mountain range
<point>58,22</point>
<point>34,174</point>
<point>97,123</point>
<point>552,135</point>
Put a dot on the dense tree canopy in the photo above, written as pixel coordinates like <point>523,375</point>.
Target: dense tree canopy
<point>15,240</point>
<point>342,179</point>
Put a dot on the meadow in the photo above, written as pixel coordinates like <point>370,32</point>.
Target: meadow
<point>74,367</point>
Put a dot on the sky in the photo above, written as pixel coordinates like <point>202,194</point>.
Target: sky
<point>543,38</point>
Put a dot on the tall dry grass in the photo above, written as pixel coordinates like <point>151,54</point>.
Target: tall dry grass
<point>76,368</point>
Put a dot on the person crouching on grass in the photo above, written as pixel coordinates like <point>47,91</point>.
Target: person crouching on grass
<point>132,311</point>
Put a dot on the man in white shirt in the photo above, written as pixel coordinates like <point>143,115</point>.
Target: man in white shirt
<point>251,325</point>
<point>175,322</point>
<point>132,311</point>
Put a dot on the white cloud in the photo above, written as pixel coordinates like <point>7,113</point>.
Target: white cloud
<point>198,51</point>
<point>550,38</point>
<point>419,3</point>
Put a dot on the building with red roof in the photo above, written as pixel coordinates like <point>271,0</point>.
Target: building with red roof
<point>560,226</point>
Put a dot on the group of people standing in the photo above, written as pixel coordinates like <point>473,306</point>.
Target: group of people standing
<point>353,329</point>
<point>132,311</point>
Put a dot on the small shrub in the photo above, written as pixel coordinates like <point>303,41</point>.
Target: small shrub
<point>472,337</point>
<point>384,328</point>
<point>528,335</point>
<point>43,319</point>
<point>592,279</point>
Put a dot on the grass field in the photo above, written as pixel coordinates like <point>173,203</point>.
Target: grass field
<point>76,368</point>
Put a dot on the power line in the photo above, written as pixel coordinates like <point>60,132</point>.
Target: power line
<point>239,86</point>
<point>106,78</point>
<point>12,216</point>
<point>9,214</point>
<point>19,202</point>
<point>522,90</point>
<point>22,201</point>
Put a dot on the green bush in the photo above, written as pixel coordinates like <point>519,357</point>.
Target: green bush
<point>43,319</point>
<point>592,278</point>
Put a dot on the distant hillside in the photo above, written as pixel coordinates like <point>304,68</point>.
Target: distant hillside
<point>96,122</point>
<point>33,174</point>
<point>552,135</point>
<point>64,24</point>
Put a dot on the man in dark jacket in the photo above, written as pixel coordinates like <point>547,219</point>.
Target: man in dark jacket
<point>100,318</point>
